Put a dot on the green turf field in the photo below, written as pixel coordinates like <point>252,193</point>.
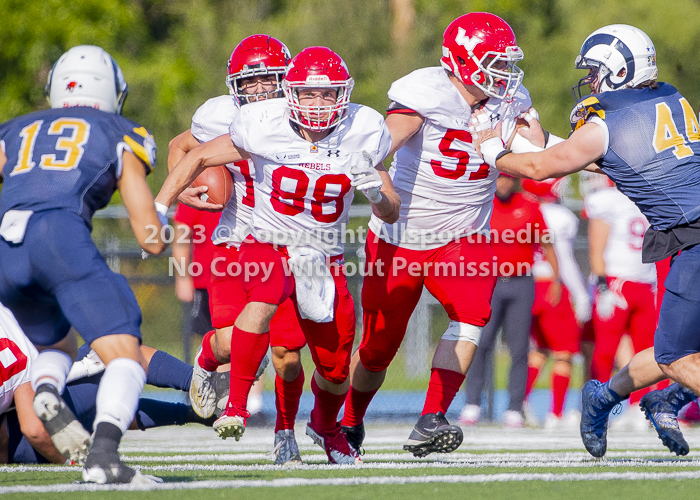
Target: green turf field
<point>492,463</point>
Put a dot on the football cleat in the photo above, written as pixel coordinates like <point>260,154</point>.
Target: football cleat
<point>103,469</point>
<point>336,445</point>
<point>286,450</point>
<point>597,401</point>
<point>513,419</point>
<point>222,386</point>
<point>433,433</point>
<point>355,436</point>
<point>67,434</point>
<point>203,395</point>
<point>231,423</point>
<point>661,409</point>
<point>89,365</point>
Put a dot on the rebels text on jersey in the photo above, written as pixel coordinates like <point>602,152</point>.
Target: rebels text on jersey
<point>210,121</point>
<point>623,251</point>
<point>16,355</point>
<point>302,189</point>
<point>68,158</point>
<point>446,189</point>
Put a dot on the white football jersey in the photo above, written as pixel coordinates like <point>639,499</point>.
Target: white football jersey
<point>623,252</point>
<point>446,189</point>
<point>211,120</point>
<point>302,189</point>
<point>563,227</point>
<point>16,356</point>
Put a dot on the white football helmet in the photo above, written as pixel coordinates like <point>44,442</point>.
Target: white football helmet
<point>612,49</point>
<point>590,182</point>
<point>86,75</point>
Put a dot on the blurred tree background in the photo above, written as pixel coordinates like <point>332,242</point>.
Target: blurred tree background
<point>173,52</point>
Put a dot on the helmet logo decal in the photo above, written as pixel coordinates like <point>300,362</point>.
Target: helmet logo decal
<point>466,42</point>
<point>71,86</point>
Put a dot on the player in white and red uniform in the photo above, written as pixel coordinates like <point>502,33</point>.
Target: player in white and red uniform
<point>16,356</point>
<point>625,300</point>
<point>556,329</point>
<point>446,195</point>
<point>255,70</point>
<point>309,152</point>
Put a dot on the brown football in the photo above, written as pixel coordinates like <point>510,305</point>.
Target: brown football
<point>219,183</point>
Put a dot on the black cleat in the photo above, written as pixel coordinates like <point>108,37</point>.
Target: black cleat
<point>433,433</point>
<point>355,436</point>
<point>663,416</point>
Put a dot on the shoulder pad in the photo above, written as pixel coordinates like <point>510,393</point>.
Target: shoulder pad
<point>590,106</point>
<point>143,145</point>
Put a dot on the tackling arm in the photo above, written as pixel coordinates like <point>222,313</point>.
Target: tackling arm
<point>585,146</point>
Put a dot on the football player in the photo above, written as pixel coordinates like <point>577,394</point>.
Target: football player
<point>556,329</point>
<point>255,72</point>
<point>23,438</point>
<point>59,166</point>
<point>644,135</point>
<point>625,287</point>
<point>309,151</point>
<point>446,195</point>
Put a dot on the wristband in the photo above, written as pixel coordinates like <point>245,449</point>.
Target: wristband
<point>602,284</point>
<point>162,211</point>
<point>491,149</point>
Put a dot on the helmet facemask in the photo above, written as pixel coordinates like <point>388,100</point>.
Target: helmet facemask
<point>318,118</point>
<point>500,73</point>
<point>233,82</point>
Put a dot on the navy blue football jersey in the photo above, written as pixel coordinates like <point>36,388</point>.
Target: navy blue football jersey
<point>68,158</point>
<point>654,150</point>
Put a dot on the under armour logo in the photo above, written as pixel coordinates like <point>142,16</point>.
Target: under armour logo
<point>333,153</point>
<point>466,42</point>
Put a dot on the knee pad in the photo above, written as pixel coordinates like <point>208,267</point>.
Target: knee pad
<point>464,332</point>
<point>375,360</point>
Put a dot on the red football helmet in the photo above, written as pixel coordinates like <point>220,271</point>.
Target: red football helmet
<point>547,190</point>
<point>318,67</point>
<point>480,49</point>
<point>257,55</point>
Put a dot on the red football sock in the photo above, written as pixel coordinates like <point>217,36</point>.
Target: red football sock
<point>356,404</point>
<point>287,396</point>
<point>560,384</point>
<point>247,351</point>
<point>532,374</point>
<point>206,359</point>
<point>442,389</point>
<point>326,408</point>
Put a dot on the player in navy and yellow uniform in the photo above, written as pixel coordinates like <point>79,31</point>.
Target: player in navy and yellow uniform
<point>59,167</point>
<point>645,136</point>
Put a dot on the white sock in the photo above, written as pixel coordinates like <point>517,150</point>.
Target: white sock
<point>119,392</point>
<point>51,367</point>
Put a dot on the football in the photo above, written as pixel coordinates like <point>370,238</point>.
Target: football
<point>219,183</point>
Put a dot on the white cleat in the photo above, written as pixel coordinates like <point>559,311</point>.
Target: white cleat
<point>203,397</point>
<point>67,434</point>
<point>286,450</point>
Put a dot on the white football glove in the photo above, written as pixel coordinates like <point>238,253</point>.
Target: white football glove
<point>607,300</point>
<point>367,179</point>
<point>582,309</point>
<point>90,365</point>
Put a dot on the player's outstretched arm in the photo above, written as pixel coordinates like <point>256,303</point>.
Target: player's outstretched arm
<point>32,427</point>
<point>585,146</point>
<point>219,151</point>
<point>138,201</point>
<point>389,206</point>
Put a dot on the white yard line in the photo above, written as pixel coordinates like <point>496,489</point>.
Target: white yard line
<point>359,481</point>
